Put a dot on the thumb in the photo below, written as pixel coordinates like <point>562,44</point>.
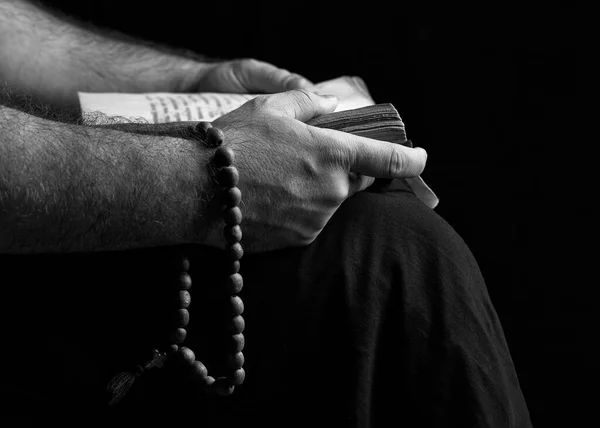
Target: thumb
<point>262,77</point>
<point>300,104</point>
<point>381,159</point>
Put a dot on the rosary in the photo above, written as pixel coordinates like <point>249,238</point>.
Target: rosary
<point>225,177</point>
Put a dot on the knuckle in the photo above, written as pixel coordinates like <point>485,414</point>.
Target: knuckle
<point>303,96</point>
<point>238,65</point>
<point>345,191</point>
<point>338,191</point>
<point>356,183</point>
<point>245,63</point>
<point>304,93</point>
<point>243,67</point>
<point>258,102</point>
<point>397,162</point>
<point>251,61</point>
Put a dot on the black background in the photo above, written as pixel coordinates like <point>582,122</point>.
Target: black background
<point>489,91</point>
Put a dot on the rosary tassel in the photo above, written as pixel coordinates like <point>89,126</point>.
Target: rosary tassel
<point>120,385</point>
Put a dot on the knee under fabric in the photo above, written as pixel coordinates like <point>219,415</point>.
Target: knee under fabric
<point>385,317</point>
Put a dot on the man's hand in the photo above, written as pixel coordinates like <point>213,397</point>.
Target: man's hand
<point>59,58</point>
<point>293,177</point>
<point>242,76</point>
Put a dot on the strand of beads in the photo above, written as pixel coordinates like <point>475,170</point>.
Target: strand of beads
<point>227,178</point>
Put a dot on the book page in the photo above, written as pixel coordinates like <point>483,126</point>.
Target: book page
<point>161,107</point>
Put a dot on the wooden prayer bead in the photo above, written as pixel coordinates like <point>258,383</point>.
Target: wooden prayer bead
<point>187,355</point>
<point>209,381</point>
<point>223,387</point>
<point>185,281</point>
<point>238,341</point>
<point>199,370</point>
<point>234,251</point>
<point>237,325</point>
<point>234,283</point>
<point>185,299</point>
<point>232,234</point>
<point>231,197</point>
<point>232,216</point>
<point>202,128</point>
<point>235,361</point>
<point>183,317</point>
<point>178,335</point>
<point>233,267</point>
<point>228,176</point>
<point>215,137</point>
<point>237,305</point>
<point>224,156</point>
<point>238,376</point>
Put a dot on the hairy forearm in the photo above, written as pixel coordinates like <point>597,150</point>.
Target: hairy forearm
<point>51,58</point>
<point>67,188</point>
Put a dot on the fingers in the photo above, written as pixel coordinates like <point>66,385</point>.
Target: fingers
<point>359,182</point>
<point>295,81</point>
<point>300,104</point>
<point>365,156</point>
<point>381,159</point>
<point>262,77</point>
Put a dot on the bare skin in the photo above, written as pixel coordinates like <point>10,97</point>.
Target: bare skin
<point>66,187</point>
<point>50,57</point>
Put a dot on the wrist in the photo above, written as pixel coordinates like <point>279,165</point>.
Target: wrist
<point>220,183</point>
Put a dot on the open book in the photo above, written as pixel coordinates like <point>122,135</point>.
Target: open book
<point>356,113</point>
